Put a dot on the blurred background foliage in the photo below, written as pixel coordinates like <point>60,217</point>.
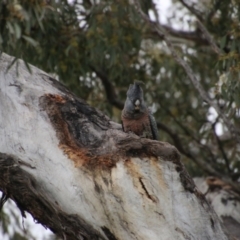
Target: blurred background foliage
<point>98,47</point>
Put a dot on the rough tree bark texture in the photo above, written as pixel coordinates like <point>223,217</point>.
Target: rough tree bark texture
<point>78,174</point>
<point>224,200</point>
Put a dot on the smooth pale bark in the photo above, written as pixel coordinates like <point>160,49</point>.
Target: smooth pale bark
<point>224,200</point>
<point>77,173</point>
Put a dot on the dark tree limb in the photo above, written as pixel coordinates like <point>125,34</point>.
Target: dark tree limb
<point>193,36</point>
<point>109,89</point>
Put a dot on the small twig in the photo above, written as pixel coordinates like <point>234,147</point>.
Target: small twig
<point>221,149</point>
<point>160,31</point>
<point>209,37</point>
<point>191,9</point>
<point>203,28</point>
<point>188,35</point>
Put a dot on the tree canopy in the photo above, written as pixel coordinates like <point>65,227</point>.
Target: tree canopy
<point>97,48</point>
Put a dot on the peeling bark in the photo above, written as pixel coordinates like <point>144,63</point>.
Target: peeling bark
<point>78,174</point>
<point>224,200</point>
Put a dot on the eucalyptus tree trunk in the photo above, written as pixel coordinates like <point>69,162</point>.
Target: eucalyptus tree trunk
<point>78,174</point>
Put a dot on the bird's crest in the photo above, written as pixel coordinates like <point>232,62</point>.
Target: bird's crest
<point>139,83</point>
<point>135,92</point>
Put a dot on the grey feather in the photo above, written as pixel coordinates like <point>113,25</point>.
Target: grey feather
<point>153,125</point>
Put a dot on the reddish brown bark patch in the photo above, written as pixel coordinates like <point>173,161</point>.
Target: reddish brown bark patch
<point>73,121</point>
<point>52,105</point>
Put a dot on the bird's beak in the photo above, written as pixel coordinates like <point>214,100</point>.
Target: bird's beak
<point>137,104</point>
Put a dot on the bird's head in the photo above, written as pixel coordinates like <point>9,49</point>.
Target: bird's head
<point>135,101</point>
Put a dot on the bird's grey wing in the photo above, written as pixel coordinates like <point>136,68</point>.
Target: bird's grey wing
<point>153,125</point>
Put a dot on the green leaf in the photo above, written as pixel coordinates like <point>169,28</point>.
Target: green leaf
<point>10,27</point>
<point>30,40</point>
<point>39,20</point>
<point>18,30</point>
<point>223,42</point>
<point>68,49</point>
<point>233,45</point>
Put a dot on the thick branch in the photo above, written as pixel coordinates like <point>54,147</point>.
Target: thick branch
<point>94,180</point>
<point>21,187</point>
